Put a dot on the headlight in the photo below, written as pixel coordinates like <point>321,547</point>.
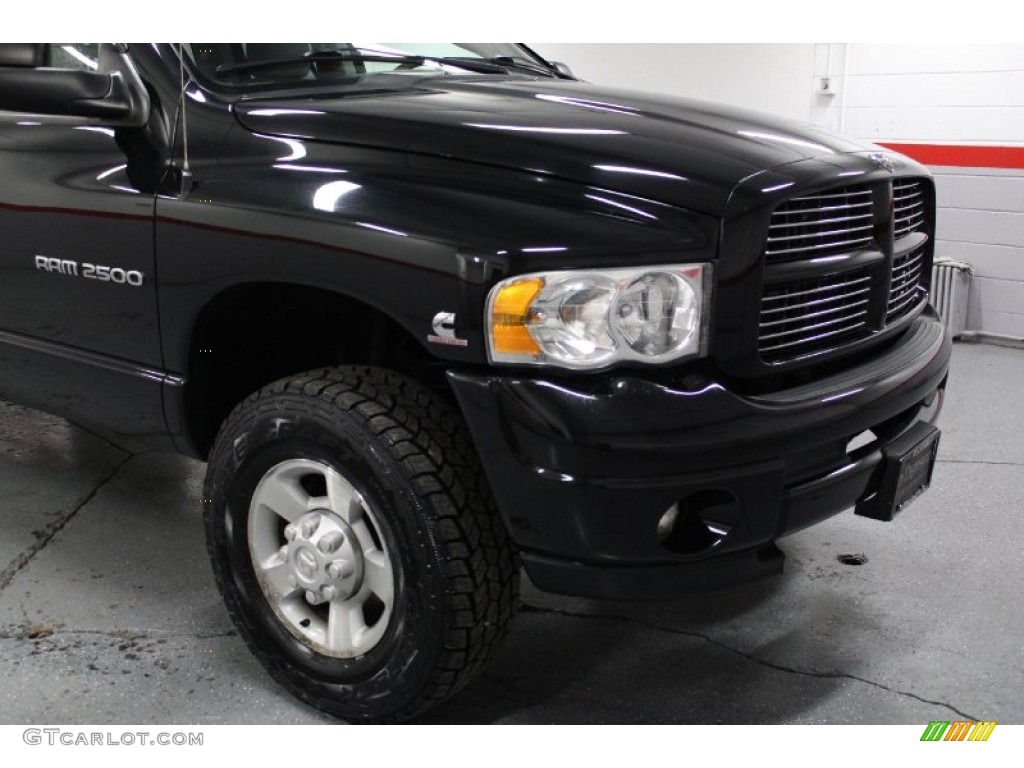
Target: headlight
<point>587,319</point>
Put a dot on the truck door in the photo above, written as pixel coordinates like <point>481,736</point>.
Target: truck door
<point>78,311</point>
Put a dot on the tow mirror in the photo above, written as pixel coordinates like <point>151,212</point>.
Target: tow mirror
<point>27,84</point>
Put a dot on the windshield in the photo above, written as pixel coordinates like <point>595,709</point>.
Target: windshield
<point>259,66</point>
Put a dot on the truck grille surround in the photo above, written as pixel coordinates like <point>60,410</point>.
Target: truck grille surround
<point>841,265</point>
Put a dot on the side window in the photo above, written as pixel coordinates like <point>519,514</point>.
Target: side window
<point>83,56</point>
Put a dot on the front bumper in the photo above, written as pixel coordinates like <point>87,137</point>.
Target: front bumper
<point>583,473</point>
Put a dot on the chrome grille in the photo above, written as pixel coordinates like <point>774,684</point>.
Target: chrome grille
<point>826,223</point>
<point>906,290</point>
<point>908,201</point>
<point>812,305</point>
<point>803,316</point>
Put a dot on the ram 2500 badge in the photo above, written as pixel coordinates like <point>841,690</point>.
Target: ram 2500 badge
<point>433,312</point>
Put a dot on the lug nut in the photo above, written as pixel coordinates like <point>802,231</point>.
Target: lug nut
<point>293,580</point>
<point>340,569</point>
<point>329,593</point>
<point>310,525</point>
<point>331,542</point>
<point>312,597</point>
<point>283,552</point>
<point>289,532</point>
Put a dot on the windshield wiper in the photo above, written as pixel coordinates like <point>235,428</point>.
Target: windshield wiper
<point>483,66</point>
<point>502,64</point>
<point>514,62</point>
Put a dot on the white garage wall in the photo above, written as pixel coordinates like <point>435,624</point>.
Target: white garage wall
<point>770,78</point>
<point>937,93</point>
<point>940,96</point>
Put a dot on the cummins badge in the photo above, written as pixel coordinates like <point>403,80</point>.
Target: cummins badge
<point>444,331</point>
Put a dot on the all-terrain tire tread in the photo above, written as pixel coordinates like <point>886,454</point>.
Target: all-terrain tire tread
<point>429,439</point>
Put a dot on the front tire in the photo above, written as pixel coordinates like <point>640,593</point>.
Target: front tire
<point>355,542</point>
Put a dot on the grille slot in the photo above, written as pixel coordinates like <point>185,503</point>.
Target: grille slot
<point>804,316</point>
<point>908,203</point>
<point>823,224</point>
<point>906,289</point>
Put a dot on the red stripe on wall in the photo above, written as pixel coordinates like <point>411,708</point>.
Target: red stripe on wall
<point>961,155</point>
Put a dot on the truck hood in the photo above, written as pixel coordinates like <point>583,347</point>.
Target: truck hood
<point>678,151</point>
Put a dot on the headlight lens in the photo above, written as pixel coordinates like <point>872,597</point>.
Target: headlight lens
<point>590,319</point>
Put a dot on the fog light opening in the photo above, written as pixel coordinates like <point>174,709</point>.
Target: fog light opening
<point>698,522</point>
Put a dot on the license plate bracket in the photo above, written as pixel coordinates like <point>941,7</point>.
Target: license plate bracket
<point>906,472</point>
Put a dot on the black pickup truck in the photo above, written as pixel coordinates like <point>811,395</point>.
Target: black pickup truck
<point>433,312</point>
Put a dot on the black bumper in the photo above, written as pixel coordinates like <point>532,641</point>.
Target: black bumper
<point>583,473</point>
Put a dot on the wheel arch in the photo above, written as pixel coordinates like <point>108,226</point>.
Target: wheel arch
<point>254,333</point>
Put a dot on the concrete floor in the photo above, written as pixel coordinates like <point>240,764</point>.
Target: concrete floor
<point>109,614</point>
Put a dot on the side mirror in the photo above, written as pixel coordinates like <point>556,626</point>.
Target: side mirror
<point>563,68</point>
<point>26,86</point>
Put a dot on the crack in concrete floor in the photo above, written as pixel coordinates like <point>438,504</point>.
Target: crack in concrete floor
<point>46,534</point>
<point>822,674</point>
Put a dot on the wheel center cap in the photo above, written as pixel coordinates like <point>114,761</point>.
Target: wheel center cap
<point>324,556</point>
<point>306,564</point>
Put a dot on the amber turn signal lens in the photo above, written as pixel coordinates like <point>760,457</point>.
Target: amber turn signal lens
<point>510,317</point>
